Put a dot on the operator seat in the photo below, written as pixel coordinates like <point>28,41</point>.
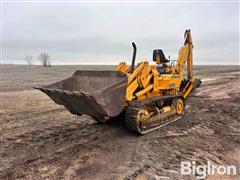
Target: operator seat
<point>159,58</point>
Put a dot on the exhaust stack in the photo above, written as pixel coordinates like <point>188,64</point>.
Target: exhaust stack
<point>134,56</point>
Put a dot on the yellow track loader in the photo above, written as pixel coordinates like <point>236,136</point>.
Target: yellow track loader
<point>150,96</point>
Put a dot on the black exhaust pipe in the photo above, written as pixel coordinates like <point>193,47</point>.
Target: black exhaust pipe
<point>134,56</point>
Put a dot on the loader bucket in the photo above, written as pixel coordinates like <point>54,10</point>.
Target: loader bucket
<point>99,94</point>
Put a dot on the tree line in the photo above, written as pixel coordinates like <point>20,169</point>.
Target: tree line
<point>44,58</point>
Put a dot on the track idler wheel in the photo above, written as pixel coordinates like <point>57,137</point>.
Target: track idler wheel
<point>179,105</point>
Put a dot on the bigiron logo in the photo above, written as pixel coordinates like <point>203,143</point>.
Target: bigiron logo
<point>201,171</point>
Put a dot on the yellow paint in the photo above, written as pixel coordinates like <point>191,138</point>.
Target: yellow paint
<point>167,109</point>
<point>146,81</point>
<point>144,91</point>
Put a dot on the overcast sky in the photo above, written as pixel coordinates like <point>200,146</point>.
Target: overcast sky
<point>101,33</point>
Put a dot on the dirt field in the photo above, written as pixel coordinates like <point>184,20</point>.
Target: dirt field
<point>42,140</point>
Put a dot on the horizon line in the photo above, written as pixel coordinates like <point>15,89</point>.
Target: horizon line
<point>92,64</point>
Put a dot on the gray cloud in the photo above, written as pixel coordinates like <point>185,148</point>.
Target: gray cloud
<point>103,32</point>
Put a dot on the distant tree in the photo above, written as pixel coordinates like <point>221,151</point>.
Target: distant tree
<point>29,60</point>
<point>45,59</point>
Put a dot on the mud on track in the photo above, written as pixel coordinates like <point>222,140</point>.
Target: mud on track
<point>41,140</point>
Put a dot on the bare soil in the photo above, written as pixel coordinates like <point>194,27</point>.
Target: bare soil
<point>42,140</point>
